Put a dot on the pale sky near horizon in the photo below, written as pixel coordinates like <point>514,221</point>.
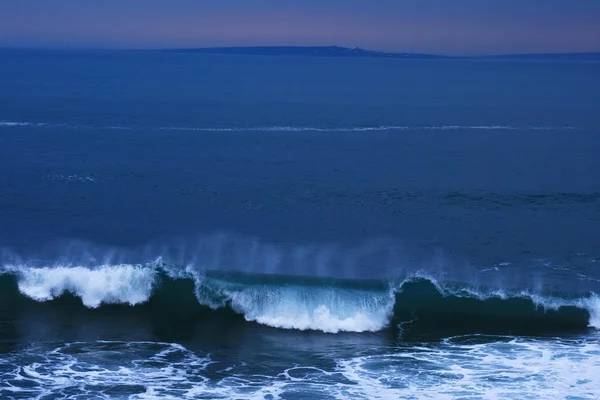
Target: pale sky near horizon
<point>427,26</point>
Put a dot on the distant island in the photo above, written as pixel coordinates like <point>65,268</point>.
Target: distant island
<point>337,51</point>
<point>305,51</point>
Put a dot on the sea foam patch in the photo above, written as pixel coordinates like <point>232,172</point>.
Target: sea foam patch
<point>459,367</point>
<point>514,368</point>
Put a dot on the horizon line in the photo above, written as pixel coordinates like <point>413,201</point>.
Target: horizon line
<point>322,47</point>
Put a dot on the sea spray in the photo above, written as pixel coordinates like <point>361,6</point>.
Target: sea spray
<point>102,285</point>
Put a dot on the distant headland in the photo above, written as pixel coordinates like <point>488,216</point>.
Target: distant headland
<point>322,52</point>
<point>306,51</point>
<point>346,52</point>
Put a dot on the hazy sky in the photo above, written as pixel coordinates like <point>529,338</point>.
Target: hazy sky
<point>434,26</point>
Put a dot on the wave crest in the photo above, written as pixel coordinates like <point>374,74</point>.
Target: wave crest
<point>103,285</point>
<point>290,305</point>
<point>308,303</point>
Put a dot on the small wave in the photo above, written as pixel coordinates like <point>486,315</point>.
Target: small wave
<point>303,303</point>
<point>364,128</point>
<point>13,124</point>
<point>72,178</point>
<point>18,123</point>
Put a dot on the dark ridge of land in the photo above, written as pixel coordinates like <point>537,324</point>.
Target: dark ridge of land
<point>320,51</point>
<point>337,51</point>
<point>316,51</point>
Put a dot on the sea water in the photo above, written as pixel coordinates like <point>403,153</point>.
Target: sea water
<point>191,226</point>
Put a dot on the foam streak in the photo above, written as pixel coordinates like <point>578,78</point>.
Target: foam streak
<point>16,124</point>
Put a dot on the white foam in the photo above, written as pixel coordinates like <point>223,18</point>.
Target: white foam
<point>73,178</point>
<point>516,369</point>
<point>85,370</point>
<point>593,306</point>
<point>326,309</point>
<point>106,284</point>
<point>14,123</point>
<point>500,368</point>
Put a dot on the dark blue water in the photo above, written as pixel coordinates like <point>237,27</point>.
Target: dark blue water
<point>179,226</point>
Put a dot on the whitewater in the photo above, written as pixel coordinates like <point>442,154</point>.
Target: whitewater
<point>294,302</point>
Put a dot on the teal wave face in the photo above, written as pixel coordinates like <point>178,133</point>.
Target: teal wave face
<point>416,306</point>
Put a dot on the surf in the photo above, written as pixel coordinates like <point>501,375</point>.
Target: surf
<point>417,303</point>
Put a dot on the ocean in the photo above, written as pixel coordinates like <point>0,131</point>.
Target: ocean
<point>186,226</point>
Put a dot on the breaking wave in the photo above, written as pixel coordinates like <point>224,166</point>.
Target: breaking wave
<point>330,305</point>
<point>107,284</point>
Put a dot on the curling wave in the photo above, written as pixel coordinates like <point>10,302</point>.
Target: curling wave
<point>417,303</point>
